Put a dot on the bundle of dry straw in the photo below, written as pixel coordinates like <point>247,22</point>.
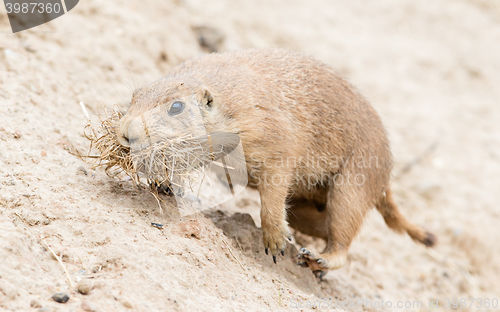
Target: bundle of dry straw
<point>176,161</point>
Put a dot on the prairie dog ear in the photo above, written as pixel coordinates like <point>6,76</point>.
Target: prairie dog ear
<point>205,98</point>
<point>135,95</point>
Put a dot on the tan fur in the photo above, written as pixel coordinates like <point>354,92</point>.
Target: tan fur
<point>294,115</point>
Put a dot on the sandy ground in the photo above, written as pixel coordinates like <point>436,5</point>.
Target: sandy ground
<point>431,68</point>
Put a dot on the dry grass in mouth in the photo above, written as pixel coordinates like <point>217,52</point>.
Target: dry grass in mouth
<point>181,161</point>
<point>113,156</point>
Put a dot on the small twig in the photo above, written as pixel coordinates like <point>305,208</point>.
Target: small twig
<point>85,112</point>
<point>279,296</point>
<point>19,216</point>
<point>232,254</point>
<point>48,247</point>
<point>156,197</point>
<point>60,262</point>
<point>419,158</point>
<point>238,243</point>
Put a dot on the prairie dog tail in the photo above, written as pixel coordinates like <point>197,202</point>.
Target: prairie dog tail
<point>398,223</point>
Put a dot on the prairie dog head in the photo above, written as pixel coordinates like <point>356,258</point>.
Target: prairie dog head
<point>167,109</point>
<point>174,127</point>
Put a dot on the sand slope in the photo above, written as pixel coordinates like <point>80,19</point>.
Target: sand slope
<point>431,69</point>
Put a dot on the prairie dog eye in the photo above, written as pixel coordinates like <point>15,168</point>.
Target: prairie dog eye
<point>176,108</point>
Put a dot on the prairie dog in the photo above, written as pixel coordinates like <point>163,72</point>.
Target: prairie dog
<point>315,149</point>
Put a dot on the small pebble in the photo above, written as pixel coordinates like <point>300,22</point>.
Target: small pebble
<point>126,303</point>
<point>85,286</point>
<point>60,297</point>
<point>35,304</point>
<point>82,170</point>
<point>88,306</point>
<point>157,225</point>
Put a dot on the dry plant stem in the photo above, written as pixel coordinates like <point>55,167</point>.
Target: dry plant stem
<point>70,283</point>
<point>85,112</point>
<point>232,254</point>
<point>156,197</point>
<point>428,151</point>
<point>60,262</point>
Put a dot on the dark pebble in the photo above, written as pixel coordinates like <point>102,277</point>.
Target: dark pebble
<point>60,297</point>
<point>157,225</point>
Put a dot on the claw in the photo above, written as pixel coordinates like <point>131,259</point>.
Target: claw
<point>162,188</point>
<point>320,274</point>
<point>267,251</point>
<point>283,253</point>
<point>303,264</point>
<point>290,238</point>
<point>274,259</point>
